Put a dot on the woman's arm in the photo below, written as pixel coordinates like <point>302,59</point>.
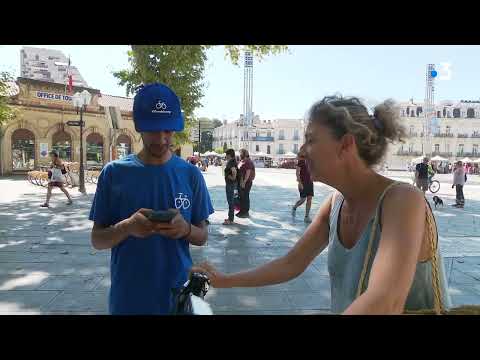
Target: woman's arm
<point>394,266</point>
<point>283,269</point>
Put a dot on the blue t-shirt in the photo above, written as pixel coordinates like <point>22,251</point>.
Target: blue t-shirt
<point>145,270</point>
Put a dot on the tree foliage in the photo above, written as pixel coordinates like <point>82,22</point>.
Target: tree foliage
<point>181,67</point>
<point>258,51</point>
<point>216,123</point>
<point>6,112</point>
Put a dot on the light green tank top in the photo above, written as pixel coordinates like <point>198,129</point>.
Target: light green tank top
<point>345,267</point>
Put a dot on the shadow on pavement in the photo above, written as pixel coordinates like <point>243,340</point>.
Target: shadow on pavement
<point>47,264</point>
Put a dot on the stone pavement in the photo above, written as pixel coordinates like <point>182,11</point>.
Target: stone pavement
<point>47,265</point>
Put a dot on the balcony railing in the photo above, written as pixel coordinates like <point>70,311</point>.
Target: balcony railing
<point>412,134</point>
<point>442,135</point>
<point>467,154</point>
<point>281,137</point>
<point>296,138</point>
<point>475,135</point>
<point>280,152</point>
<point>462,136</point>
<point>263,138</point>
<point>409,153</point>
<point>443,154</point>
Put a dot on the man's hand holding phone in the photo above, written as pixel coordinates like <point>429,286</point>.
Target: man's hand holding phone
<point>147,222</point>
<point>171,224</point>
<point>139,225</point>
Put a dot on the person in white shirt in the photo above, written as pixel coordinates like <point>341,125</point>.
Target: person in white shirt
<point>458,183</point>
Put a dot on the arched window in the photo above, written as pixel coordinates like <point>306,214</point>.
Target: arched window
<point>439,114</point>
<point>94,149</point>
<point>456,113</point>
<point>23,150</point>
<point>419,110</point>
<point>470,113</point>
<point>123,146</point>
<point>62,142</point>
<point>268,149</point>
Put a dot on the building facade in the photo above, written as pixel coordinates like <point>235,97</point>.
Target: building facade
<point>48,65</point>
<point>272,137</point>
<point>40,125</point>
<point>455,132</point>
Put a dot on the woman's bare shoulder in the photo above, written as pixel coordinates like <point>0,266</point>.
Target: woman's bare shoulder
<point>404,197</point>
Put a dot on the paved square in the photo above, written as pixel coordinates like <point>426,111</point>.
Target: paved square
<point>47,265</point>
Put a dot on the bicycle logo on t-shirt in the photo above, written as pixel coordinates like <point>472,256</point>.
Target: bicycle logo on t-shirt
<point>182,202</point>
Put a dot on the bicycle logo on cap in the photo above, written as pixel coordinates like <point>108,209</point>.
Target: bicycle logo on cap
<point>182,202</point>
<point>161,107</point>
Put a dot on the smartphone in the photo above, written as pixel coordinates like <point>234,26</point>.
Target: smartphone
<point>162,216</point>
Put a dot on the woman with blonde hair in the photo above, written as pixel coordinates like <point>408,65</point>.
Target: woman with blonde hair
<point>381,256</point>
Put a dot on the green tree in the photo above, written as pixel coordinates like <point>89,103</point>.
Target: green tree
<point>217,123</point>
<point>6,111</point>
<point>219,150</point>
<point>181,67</point>
<point>206,141</point>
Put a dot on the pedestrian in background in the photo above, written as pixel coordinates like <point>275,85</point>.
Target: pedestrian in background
<point>247,174</point>
<point>56,176</point>
<point>421,175</point>
<point>305,186</point>
<point>459,178</point>
<point>230,174</point>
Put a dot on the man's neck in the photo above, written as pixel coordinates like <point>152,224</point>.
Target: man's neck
<point>148,159</point>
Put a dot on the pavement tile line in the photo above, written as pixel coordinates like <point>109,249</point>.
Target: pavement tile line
<point>25,230</point>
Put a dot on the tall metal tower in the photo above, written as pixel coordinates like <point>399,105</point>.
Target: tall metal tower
<point>248,89</point>
<point>429,111</point>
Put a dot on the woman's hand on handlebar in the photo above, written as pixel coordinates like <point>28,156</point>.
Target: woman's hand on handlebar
<point>217,279</point>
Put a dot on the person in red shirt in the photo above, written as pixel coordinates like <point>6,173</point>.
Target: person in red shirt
<point>305,186</point>
<point>246,170</point>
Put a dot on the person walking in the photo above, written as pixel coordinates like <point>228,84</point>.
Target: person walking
<point>421,175</point>
<point>247,174</point>
<point>378,231</point>
<point>56,176</point>
<point>305,186</point>
<point>459,178</point>
<point>230,174</point>
<point>149,258</point>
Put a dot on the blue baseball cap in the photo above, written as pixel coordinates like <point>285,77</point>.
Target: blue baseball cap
<point>157,108</point>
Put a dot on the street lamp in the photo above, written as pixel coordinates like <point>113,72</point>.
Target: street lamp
<point>80,101</point>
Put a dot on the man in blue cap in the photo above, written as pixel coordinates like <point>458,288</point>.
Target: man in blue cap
<point>149,259</point>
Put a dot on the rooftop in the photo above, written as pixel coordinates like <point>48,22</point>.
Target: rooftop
<point>124,103</point>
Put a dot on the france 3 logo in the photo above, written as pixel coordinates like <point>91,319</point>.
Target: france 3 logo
<point>444,71</point>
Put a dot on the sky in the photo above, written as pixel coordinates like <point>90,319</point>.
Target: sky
<point>284,86</point>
